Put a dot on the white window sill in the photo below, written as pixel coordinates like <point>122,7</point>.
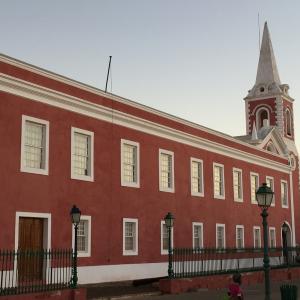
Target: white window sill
<point>131,184</point>
<point>220,197</point>
<point>130,253</point>
<point>34,171</point>
<point>81,177</point>
<point>197,194</point>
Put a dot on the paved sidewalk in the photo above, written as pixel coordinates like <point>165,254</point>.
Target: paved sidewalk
<point>150,292</point>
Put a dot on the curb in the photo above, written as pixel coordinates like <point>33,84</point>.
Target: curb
<point>129,296</point>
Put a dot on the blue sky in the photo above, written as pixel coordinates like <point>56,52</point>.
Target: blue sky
<point>192,59</point>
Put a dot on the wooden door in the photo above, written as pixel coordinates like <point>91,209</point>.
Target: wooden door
<point>30,260</point>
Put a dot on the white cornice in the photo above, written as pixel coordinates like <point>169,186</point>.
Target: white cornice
<point>57,99</point>
<point>85,87</point>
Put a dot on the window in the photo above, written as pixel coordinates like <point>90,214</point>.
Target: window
<point>83,236</point>
<point>239,234</point>
<point>270,184</point>
<point>34,145</point>
<point>237,185</point>
<point>196,177</point>
<point>272,237</point>
<point>254,186</point>
<point>261,115</point>
<point>197,235</point>
<point>166,171</point>
<point>219,187</point>
<point>256,237</point>
<point>288,123</point>
<point>82,154</point>
<point>130,236</point>
<point>165,238</point>
<point>220,236</point>
<point>130,164</point>
<point>284,194</point>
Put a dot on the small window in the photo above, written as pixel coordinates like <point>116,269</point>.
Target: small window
<point>82,154</point>
<point>237,185</point>
<point>239,234</point>
<point>83,237</point>
<point>166,171</point>
<point>220,236</point>
<point>197,235</point>
<point>288,122</point>
<point>270,184</point>
<point>130,236</point>
<point>254,186</point>
<point>256,237</point>
<point>165,238</point>
<point>197,177</point>
<point>219,186</point>
<point>34,145</point>
<point>272,237</point>
<point>130,164</point>
<point>284,194</point>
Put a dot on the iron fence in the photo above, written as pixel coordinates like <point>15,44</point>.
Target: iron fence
<point>191,262</point>
<point>35,271</point>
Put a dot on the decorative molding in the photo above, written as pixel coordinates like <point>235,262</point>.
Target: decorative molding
<point>43,95</point>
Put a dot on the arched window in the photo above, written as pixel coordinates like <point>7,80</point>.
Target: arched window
<point>261,115</point>
<point>288,122</point>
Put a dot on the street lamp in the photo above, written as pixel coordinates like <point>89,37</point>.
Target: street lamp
<point>264,197</point>
<point>75,217</point>
<point>169,221</point>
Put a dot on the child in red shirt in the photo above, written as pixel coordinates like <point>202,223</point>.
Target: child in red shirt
<point>234,289</point>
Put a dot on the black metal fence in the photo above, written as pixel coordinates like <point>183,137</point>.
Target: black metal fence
<point>35,271</point>
<point>188,262</point>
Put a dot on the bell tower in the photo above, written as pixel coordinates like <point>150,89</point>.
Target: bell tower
<point>268,103</point>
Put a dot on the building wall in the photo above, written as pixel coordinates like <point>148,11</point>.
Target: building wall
<point>106,201</point>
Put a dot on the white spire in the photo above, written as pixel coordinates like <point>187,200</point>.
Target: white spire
<point>254,132</point>
<point>267,69</point>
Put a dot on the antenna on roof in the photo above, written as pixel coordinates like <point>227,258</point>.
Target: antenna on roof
<point>258,24</point>
<point>107,74</point>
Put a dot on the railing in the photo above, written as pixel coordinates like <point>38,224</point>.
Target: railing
<point>35,271</point>
<point>188,262</point>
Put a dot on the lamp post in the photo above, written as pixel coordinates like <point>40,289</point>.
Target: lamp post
<point>75,217</point>
<point>285,229</point>
<point>264,197</point>
<point>169,221</point>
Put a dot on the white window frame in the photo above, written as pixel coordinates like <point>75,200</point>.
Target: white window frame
<point>161,188</point>
<point>255,228</point>
<point>135,184</point>
<point>241,173</point>
<point>163,251</point>
<point>222,197</point>
<point>193,193</point>
<point>253,201</point>
<point>287,194</point>
<point>243,236</point>
<point>89,177</point>
<point>23,168</point>
<point>136,251</point>
<point>201,226</point>
<point>272,229</point>
<point>89,231</point>
<point>224,238</point>
<point>272,188</point>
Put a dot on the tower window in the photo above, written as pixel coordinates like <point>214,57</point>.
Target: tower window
<point>288,123</point>
<point>261,115</point>
<point>262,89</point>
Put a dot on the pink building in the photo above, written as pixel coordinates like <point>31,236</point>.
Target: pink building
<point>126,165</point>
